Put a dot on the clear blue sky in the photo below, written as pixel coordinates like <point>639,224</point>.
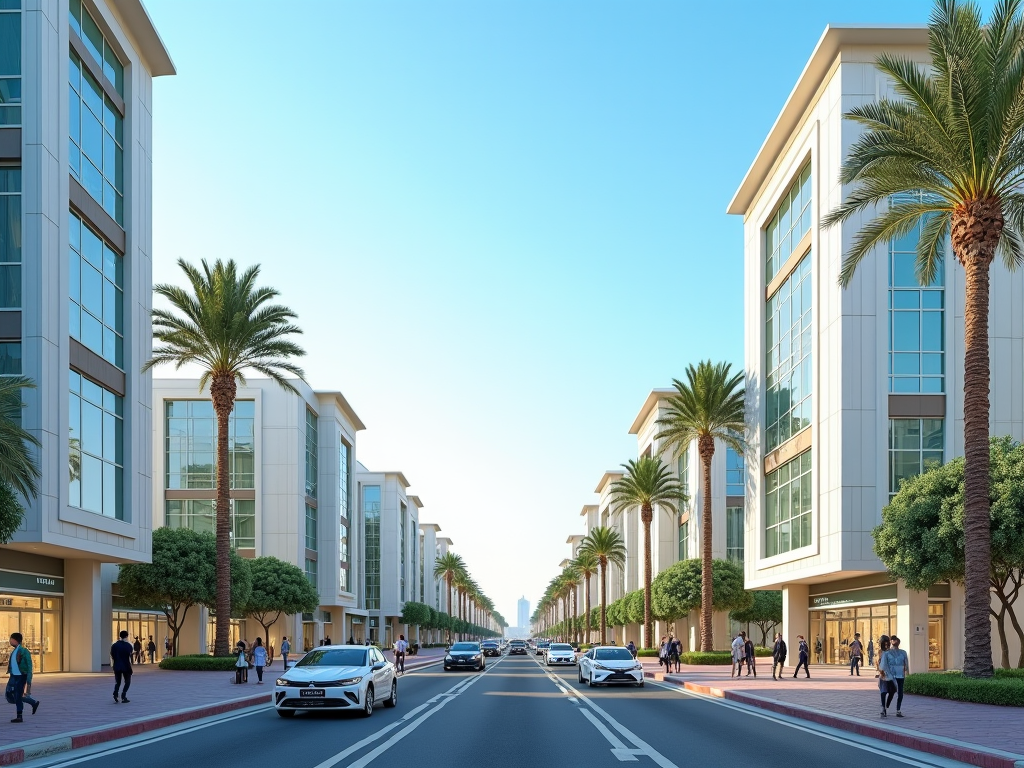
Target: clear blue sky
<point>501,223</point>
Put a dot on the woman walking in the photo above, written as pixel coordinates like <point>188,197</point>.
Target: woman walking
<point>895,665</point>
<point>259,659</point>
<point>737,654</point>
<point>778,656</point>
<point>804,657</point>
<point>748,652</point>
<point>241,665</point>
<point>883,681</point>
<point>663,654</point>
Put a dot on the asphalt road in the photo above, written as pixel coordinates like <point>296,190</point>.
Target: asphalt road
<point>516,714</point>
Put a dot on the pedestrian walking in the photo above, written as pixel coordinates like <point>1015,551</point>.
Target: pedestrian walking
<point>871,652</point>
<point>677,652</point>
<point>285,649</point>
<point>327,641</point>
<point>817,649</point>
<point>895,665</point>
<point>137,650</point>
<point>803,658</point>
<point>400,648</point>
<point>631,647</point>
<point>167,646</point>
<point>737,654</point>
<point>663,654</point>
<point>121,654</point>
<point>883,681</point>
<point>241,664</point>
<point>779,656</point>
<point>748,653</point>
<point>259,659</point>
<point>19,682</point>
<point>151,650</point>
<point>856,654</point>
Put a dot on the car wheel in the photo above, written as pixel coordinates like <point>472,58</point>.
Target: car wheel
<point>580,676</point>
<point>590,680</point>
<point>286,712</point>
<point>392,700</point>
<point>640,684</point>
<point>368,702</point>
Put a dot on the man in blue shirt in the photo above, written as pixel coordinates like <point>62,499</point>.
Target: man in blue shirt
<point>285,648</point>
<point>121,654</point>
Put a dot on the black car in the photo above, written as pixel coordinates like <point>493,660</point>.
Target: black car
<point>490,648</point>
<point>542,647</point>
<point>464,656</point>
<point>517,646</point>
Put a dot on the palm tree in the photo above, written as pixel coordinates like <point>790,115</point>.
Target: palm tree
<point>17,467</point>
<point>647,483</point>
<point>606,545</point>
<point>587,565</point>
<point>707,407</point>
<point>447,567</point>
<point>949,154</point>
<point>571,578</point>
<point>226,325</point>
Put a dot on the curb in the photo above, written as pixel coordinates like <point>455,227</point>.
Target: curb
<point>52,745</point>
<point>953,750</point>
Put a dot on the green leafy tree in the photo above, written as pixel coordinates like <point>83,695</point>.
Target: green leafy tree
<point>606,545</point>
<point>764,612</point>
<point>922,538</point>
<point>278,588</point>
<point>11,513</point>
<point>225,325</point>
<point>679,588</point>
<point>949,154</point>
<point>708,406</point>
<point>647,483</point>
<point>19,473</point>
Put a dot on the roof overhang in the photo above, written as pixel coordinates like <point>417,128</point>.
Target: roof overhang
<point>435,526</point>
<point>650,404</point>
<point>588,508</point>
<point>417,501</point>
<point>608,477</point>
<point>345,408</point>
<point>139,26</point>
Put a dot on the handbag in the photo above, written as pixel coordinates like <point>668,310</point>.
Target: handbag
<point>9,693</point>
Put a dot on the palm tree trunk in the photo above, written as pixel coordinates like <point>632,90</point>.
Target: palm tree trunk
<point>706,448</point>
<point>586,610</point>
<point>222,392</point>
<point>604,599</point>
<point>646,516</point>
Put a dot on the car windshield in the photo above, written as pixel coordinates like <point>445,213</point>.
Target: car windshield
<point>335,657</point>
<point>465,647</point>
<point>613,654</point>
<point>488,645</point>
<point>561,647</point>
<point>518,643</point>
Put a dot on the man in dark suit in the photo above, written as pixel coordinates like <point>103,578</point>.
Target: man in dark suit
<point>121,654</point>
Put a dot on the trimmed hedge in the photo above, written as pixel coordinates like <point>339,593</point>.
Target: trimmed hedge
<point>718,657</point>
<point>1006,689</point>
<point>199,663</point>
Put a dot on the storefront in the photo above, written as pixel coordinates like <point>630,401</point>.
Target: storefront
<point>32,604</point>
<point>142,625</point>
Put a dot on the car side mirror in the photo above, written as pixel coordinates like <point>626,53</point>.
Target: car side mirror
<point>378,666</point>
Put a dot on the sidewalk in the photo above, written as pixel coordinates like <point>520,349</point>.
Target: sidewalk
<point>82,704</point>
<point>979,734</point>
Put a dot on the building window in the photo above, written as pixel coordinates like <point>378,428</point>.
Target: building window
<point>201,515</point>
<point>10,62</point>
<point>916,322</point>
<point>423,592</point>
<point>684,540</point>
<point>401,548</point>
<point>683,467</point>
<point>790,223</point>
<point>85,27</point>
<point>343,579</point>
<point>788,363</point>
<point>191,445</point>
<point>915,446</point>
<point>95,288</point>
<point>311,527</point>
<point>311,454</point>
<point>311,571</point>
<point>345,476</point>
<point>371,544</point>
<point>734,534</point>
<point>96,445</point>
<point>10,225</point>
<point>10,358</point>
<point>735,482</point>
<point>96,146</point>
<point>788,506</point>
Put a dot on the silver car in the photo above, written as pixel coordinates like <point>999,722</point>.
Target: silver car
<point>560,653</point>
<point>610,665</point>
<point>337,677</point>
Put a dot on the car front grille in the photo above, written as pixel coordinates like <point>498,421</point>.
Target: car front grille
<point>325,684</point>
<point>314,703</point>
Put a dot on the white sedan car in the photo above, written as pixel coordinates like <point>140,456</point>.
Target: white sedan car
<point>560,653</point>
<point>337,677</point>
<point>608,665</point>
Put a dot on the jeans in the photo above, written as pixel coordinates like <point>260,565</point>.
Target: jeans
<point>400,662</point>
<point>779,665</point>
<point>898,693</point>
<point>17,683</point>
<point>118,677</point>
<point>855,662</point>
<point>284,657</point>
<point>802,663</point>
<point>152,657</point>
<point>259,673</point>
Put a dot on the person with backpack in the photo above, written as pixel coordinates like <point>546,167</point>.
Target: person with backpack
<point>401,646</point>
<point>19,684</point>
<point>285,648</point>
<point>805,654</point>
<point>856,654</point>
<point>241,664</point>
<point>779,656</point>
<point>121,654</point>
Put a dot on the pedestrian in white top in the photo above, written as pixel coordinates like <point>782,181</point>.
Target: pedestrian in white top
<point>737,654</point>
<point>400,648</point>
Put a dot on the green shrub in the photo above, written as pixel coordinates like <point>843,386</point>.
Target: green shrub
<point>702,658</point>
<point>647,652</point>
<point>200,663</point>
<point>1006,689</point>
<point>762,653</point>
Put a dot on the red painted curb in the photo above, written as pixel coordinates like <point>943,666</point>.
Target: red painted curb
<point>12,756</point>
<point>973,756</point>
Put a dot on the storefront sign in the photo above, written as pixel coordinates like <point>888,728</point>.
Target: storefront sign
<point>53,585</point>
<point>854,597</point>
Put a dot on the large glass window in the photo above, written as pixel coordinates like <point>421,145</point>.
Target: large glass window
<point>790,223</point>
<point>95,286</point>
<point>10,62</point>
<point>684,540</point>
<point>683,467</point>
<point>311,527</point>
<point>734,534</point>
<point>787,506</point>
<point>85,27</point>
<point>311,572</point>
<point>401,545</point>
<point>96,444</point>
<point>345,484</point>
<point>96,140</point>
<point>201,515</point>
<point>916,322</point>
<point>915,446</point>
<point>735,482</point>
<point>788,363</point>
<point>10,358</point>
<point>423,593</point>
<point>10,228</point>
<point>311,454</point>
<point>191,445</point>
<point>371,544</point>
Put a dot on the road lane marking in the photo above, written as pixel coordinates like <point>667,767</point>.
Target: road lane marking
<point>618,748</point>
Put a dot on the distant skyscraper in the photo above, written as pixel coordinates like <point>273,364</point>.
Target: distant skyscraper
<point>524,613</point>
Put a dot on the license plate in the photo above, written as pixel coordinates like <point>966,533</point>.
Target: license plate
<point>312,693</point>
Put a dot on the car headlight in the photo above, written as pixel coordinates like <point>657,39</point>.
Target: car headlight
<point>477,656</point>
<point>350,681</point>
<point>447,658</point>
<point>638,666</point>
<point>601,666</point>
<point>281,681</point>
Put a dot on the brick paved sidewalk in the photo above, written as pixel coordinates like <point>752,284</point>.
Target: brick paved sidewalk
<point>831,690</point>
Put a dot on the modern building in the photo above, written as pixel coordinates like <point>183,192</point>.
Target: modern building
<point>293,463</point>
<point>853,389</point>
<point>523,612</point>
<point>76,251</point>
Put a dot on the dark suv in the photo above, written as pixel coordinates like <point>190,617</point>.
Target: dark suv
<point>517,646</point>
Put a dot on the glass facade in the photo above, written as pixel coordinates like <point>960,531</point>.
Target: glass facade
<point>10,62</point>
<point>38,619</point>
<point>683,467</point>
<point>191,444</point>
<point>311,572</point>
<point>201,515</point>
<point>404,523</point>
<point>916,322</point>
<point>790,223</point>
<point>734,534</point>
<point>10,358</point>
<point>684,541</point>
<point>85,27</point>
<point>311,454</point>
<point>371,544</point>
<point>96,447</point>
<point>788,506</point>
<point>735,482</point>
<point>915,446</point>
<point>311,527</point>
<point>788,363</point>
<point>345,484</point>
<point>10,230</point>
<point>95,288</point>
